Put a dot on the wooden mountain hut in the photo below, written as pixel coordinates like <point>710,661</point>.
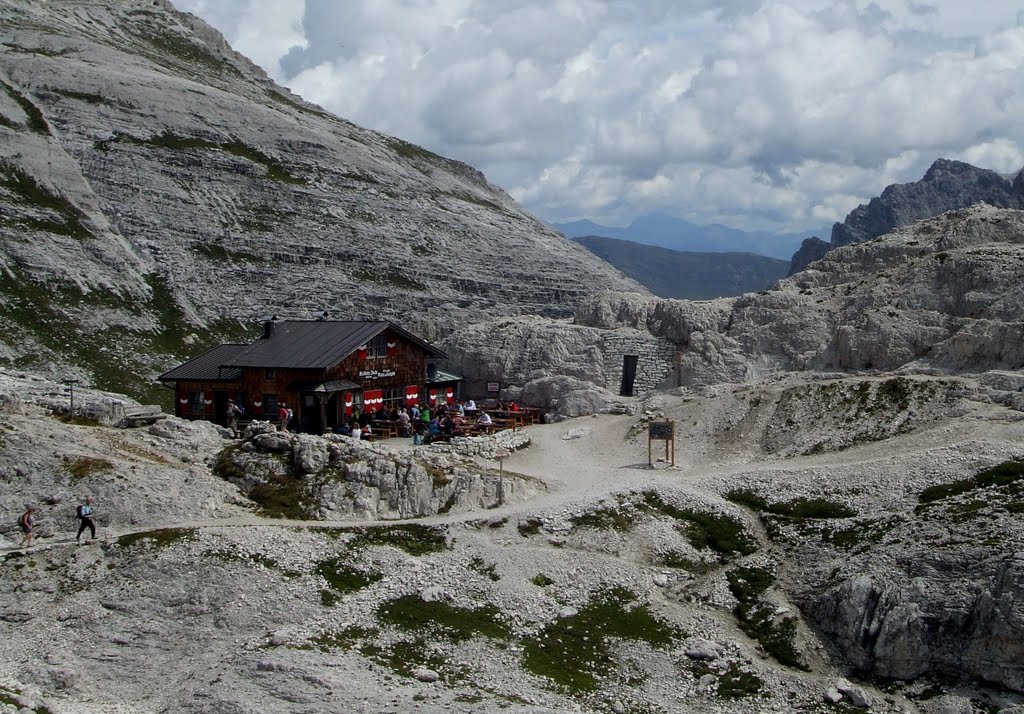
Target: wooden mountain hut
<point>325,371</point>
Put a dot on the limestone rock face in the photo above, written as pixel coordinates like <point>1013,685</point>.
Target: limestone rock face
<point>947,185</point>
<point>904,629</point>
<point>336,477</point>
<point>941,294</point>
<point>160,193</point>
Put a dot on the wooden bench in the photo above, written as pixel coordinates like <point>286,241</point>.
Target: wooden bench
<point>142,415</point>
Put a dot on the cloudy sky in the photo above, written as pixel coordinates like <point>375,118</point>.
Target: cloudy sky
<point>776,115</point>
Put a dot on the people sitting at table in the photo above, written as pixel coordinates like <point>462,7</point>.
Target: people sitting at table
<point>414,413</point>
<point>425,415</point>
<point>367,431</point>
<point>460,409</point>
<point>448,425</point>
<point>403,422</point>
<point>365,417</point>
<point>344,429</point>
<point>419,429</point>
<point>500,406</point>
<point>356,430</point>
<point>470,405</point>
<point>484,419</point>
<point>435,427</point>
<point>512,406</point>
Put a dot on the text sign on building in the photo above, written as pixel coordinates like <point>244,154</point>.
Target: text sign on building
<point>376,373</point>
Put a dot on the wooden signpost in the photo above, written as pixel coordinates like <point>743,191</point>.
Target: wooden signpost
<point>662,431</point>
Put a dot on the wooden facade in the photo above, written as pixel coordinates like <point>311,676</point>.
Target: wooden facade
<point>354,366</point>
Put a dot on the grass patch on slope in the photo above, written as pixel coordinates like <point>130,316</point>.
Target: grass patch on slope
<point>575,652</point>
<point>276,170</point>
<point>757,618</point>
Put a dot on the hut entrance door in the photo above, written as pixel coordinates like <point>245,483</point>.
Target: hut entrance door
<point>628,374</point>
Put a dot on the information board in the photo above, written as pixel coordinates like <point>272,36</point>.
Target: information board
<point>662,430</point>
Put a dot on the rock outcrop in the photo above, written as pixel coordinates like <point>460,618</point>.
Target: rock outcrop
<point>336,477</point>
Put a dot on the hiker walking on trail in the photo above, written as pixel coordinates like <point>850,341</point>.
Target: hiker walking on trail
<point>85,519</point>
<point>27,523</point>
<point>233,412</point>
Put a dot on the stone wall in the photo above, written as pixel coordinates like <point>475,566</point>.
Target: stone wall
<point>486,446</point>
<point>655,363</point>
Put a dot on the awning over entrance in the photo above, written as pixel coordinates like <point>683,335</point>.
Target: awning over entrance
<point>336,385</point>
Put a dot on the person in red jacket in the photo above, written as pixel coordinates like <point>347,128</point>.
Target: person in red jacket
<point>283,414</point>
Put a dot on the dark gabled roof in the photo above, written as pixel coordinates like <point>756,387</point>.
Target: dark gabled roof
<point>208,367</point>
<point>317,344</point>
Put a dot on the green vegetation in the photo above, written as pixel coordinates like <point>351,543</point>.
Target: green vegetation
<point>216,251</point>
<point>797,508</point>
<point>46,315</point>
<point>392,278</point>
<point>757,617</point>
<point>412,151</point>
<point>342,579</point>
<point>541,580</point>
<point>610,518</point>
<point>166,140</point>
<point>490,570</point>
<point>343,639</point>
<point>706,531</point>
<point>574,651</point>
<point>160,538</point>
<point>82,467</point>
<point>860,534</point>
<point>439,619</point>
<point>413,538</point>
<point>168,45</point>
<point>87,97</point>
<point>404,657</point>
<point>36,121</point>
<point>41,51</point>
<point>26,191</point>
<point>470,198</point>
<point>529,527</point>
<point>1005,474</point>
<point>734,683</point>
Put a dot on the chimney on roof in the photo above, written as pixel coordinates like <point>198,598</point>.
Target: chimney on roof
<point>322,316</point>
<point>268,327</point>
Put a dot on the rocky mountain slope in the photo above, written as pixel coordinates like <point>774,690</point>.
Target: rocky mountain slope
<point>687,275</point>
<point>946,186</point>
<point>159,194</point>
<point>816,532</point>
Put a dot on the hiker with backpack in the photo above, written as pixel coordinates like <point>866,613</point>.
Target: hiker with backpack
<point>85,519</point>
<point>27,523</point>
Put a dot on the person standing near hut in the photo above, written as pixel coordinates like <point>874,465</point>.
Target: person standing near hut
<point>282,417</point>
<point>234,411</point>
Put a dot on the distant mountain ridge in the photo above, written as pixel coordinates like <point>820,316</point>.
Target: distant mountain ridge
<point>681,235</point>
<point>687,275</point>
<point>946,186</point>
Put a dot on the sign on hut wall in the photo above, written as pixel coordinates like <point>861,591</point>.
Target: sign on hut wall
<point>376,373</point>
